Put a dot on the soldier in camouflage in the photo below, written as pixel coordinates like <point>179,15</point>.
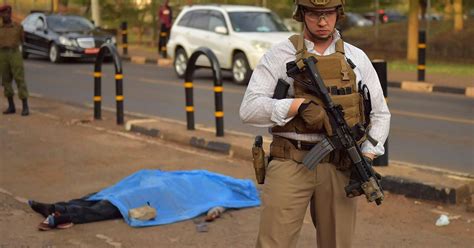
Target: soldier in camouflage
<point>11,61</point>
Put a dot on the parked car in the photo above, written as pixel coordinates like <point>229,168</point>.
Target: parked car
<point>238,35</point>
<point>354,20</point>
<point>62,36</point>
<point>394,16</point>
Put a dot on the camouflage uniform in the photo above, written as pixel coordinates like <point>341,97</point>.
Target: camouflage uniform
<point>11,61</point>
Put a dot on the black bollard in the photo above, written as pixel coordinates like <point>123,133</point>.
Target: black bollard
<point>124,28</point>
<point>108,49</point>
<point>218,89</point>
<point>421,55</point>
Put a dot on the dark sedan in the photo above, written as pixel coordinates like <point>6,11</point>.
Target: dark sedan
<point>62,36</point>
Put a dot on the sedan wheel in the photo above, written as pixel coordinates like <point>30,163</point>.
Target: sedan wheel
<point>241,71</point>
<point>54,54</point>
<point>180,63</point>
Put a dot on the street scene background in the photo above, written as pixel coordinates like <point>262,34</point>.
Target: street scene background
<point>60,152</point>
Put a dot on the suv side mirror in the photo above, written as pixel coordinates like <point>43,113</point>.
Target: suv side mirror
<point>220,30</point>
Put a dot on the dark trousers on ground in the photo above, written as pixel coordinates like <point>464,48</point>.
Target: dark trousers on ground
<point>80,211</point>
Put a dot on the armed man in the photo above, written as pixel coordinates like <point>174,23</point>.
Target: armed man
<point>11,61</point>
<point>302,121</point>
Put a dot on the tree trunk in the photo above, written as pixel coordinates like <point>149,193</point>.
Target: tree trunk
<point>458,21</point>
<point>448,10</point>
<point>413,26</point>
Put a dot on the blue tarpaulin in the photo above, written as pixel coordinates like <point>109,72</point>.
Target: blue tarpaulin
<point>178,195</point>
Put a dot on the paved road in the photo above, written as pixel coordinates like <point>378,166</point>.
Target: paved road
<point>61,158</point>
<point>428,129</point>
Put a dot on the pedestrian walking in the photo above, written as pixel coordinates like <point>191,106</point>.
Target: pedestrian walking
<point>299,121</point>
<point>11,61</point>
<point>166,17</point>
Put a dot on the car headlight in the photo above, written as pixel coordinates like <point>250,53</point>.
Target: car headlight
<point>111,40</point>
<point>67,42</point>
<point>261,45</point>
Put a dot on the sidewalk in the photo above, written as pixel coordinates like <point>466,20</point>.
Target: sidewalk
<point>59,153</point>
<point>435,82</point>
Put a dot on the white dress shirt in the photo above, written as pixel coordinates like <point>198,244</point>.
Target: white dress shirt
<point>259,109</point>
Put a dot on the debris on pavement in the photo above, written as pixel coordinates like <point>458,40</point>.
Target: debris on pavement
<point>443,220</point>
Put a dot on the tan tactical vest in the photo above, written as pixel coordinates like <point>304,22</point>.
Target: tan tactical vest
<point>335,72</point>
<point>10,35</point>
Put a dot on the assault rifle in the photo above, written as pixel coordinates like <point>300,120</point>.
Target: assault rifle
<point>364,180</point>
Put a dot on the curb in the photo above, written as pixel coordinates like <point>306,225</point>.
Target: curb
<point>145,60</point>
<point>205,139</point>
<point>416,86</point>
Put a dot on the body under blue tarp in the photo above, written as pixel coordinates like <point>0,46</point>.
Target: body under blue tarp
<point>178,195</point>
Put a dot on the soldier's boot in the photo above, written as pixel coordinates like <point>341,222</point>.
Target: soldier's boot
<point>11,107</point>
<point>25,110</point>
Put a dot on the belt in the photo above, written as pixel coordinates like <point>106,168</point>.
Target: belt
<point>302,145</point>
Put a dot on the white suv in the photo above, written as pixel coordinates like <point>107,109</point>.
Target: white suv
<point>238,36</point>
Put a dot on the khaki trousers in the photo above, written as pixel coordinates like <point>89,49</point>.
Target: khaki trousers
<point>288,190</point>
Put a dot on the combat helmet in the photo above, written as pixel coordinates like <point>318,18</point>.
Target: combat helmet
<point>322,4</point>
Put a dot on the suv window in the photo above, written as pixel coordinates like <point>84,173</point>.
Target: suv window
<point>256,22</point>
<point>200,19</point>
<point>216,19</point>
<point>184,21</point>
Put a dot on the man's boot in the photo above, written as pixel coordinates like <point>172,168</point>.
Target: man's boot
<point>25,110</point>
<point>11,107</point>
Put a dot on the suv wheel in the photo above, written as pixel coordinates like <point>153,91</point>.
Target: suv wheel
<point>54,54</point>
<point>180,62</point>
<point>241,71</point>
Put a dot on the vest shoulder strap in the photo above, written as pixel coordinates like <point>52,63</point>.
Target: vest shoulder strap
<point>340,46</point>
<point>298,42</point>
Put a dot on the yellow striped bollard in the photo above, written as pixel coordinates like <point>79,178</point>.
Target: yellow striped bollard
<point>218,89</point>
<point>109,50</point>
<point>124,28</point>
<point>421,55</point>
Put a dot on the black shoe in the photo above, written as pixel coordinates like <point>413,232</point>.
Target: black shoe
<point>25,110</point>
<point>41,208</point>
<point>11,107</point>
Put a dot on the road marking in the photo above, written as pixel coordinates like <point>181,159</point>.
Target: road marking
<point>432,117</point>
<point>109,240</point>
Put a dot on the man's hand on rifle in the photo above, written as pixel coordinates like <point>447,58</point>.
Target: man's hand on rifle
<point>369,157</point>
<point>314,116</point>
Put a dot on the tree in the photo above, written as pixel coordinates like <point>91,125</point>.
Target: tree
<point>458,20</point>
<point>413,25</point>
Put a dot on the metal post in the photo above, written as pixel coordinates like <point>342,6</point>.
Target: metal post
<point>124,38</point>
<point>381,69</point>
<point>119,96</point>
<point>108,49</point>
<point>188,88</point>
<point>97,92</point>
<point>421,55</point>
<point>218,89</point>
<point>218,101</point>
